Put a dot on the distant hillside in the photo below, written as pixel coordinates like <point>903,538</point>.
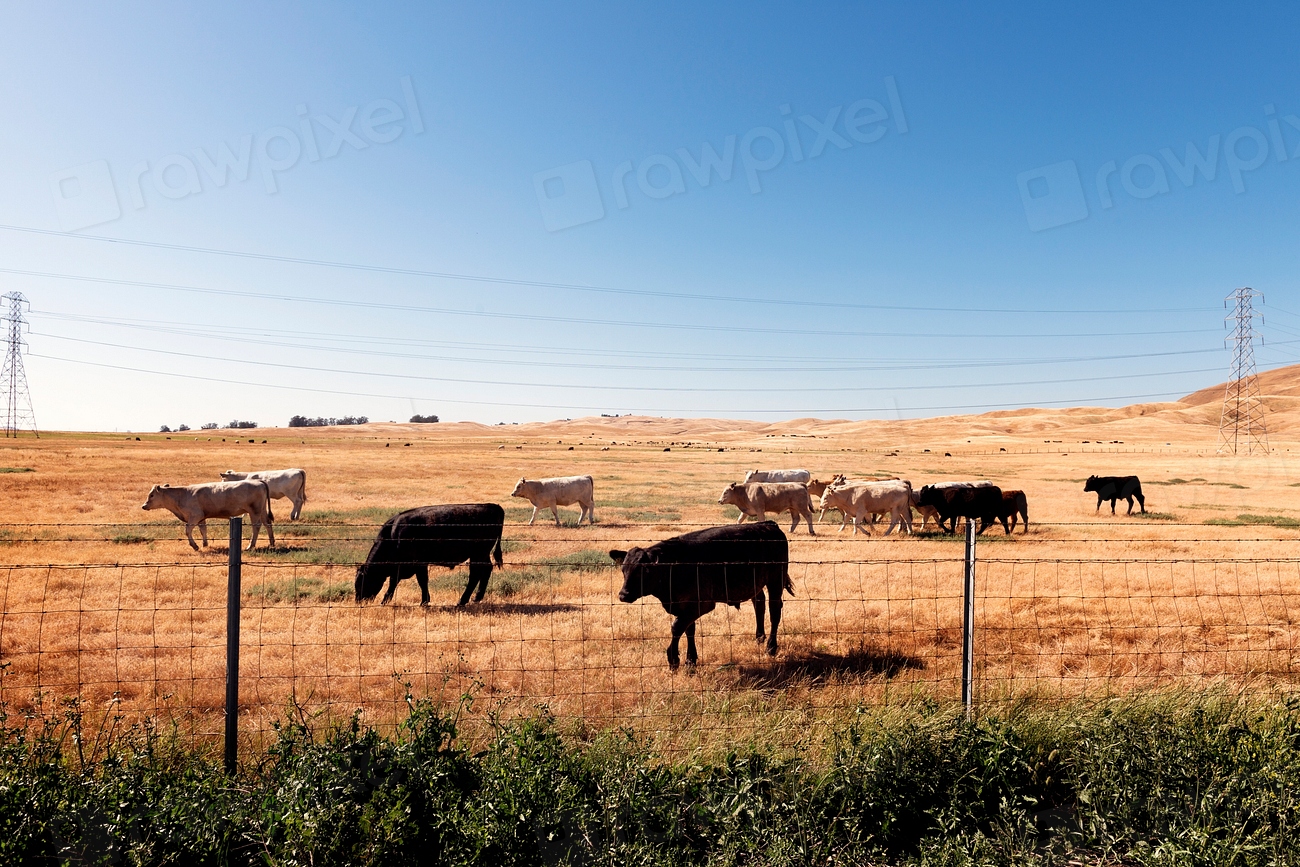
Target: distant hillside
<point>1281,382</point>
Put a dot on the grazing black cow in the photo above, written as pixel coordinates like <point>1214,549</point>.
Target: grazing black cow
<point>410,542</point>
<point>983,502</point>
<point>690,574</point>
<point>1116,488</point>
<point>1013,503</point>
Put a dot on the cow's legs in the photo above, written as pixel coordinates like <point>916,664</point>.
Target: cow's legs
<point>189,534</point>
<point>682,624</point>
<point>1098,509</point>
<point>1130,505</point>
<point>297,508</point>
<point>556,512</point>
<point>252,537</point>
<point>590,509</point>
<point>774,605</point>
<point>691,656</point>
<point>759,633</point>
<point>392,587</point>
<point>422,577</point>
<point>1112,504</point>
<point>534,517</point>
<point>1141,499</point>
<point>203,531</point>
<point>479,573</point>
<point>807,519</point>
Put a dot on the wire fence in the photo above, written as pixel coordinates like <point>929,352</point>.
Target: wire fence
<point>872,621</point>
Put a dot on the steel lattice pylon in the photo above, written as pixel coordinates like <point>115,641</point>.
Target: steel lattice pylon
<point>1241,426</point>
<point>18,407</point>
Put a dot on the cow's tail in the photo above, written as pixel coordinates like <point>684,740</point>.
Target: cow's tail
<point>496,553</point>
<point>269,517</point>
<point>785,578</point>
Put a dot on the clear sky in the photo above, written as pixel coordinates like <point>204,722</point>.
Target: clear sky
<point>503,212</point>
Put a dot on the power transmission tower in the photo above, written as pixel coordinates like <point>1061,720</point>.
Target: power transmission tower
<point>1241,426</point>
<point>18,414</point>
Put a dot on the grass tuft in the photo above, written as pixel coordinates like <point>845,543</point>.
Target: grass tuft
<point>1156,516</point>
<point>16,470</point>
<point>1247,520</point>
<point>295,590</point>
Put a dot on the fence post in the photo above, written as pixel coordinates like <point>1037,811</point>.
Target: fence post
<point>233,594</point>
<point>968,623</point>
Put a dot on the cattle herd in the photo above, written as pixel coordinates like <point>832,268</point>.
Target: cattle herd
<point>689,574</point>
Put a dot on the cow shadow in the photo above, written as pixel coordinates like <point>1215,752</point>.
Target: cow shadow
<point>525,609</point>
<point>817,668</point>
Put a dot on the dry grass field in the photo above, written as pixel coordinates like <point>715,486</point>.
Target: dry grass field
<point>101,599</point>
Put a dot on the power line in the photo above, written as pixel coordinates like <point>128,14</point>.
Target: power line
<point>18,404</point>
<point>604,323</point>
<point>1241,425</point>
<point>577,287</point>
<point>849,364</point>
<point>605,408</point>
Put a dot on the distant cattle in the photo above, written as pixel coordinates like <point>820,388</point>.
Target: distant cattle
<point>982,502</point>
<point>861,501</point>
<point>1014,504</point>
<point>1116,488</point>
<point>563,491</point>
<point>412,541</point>
<point>803,477</point>
<point>756,500</point>
<point>690,574</point>
<point>283,483</point>
<point>195,504</point>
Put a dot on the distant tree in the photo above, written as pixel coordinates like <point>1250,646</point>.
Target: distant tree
<point>164,429</point>
<point>424,419</point>
<point>182,428</point>
<point>304,421</point>
<point>236,425</point>
<point>212,425</point>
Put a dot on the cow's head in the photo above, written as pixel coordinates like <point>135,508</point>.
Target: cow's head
<point>635,564</point>
<point>731,494</point>
<point>232,476</point>
<point>927,496</point>
<point>370,580</point>
<point>154,500</point>
<point>519,488</point>
<point>1091,484</point>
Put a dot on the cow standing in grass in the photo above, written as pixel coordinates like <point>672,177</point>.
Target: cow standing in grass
<point>1116,488</point>
<point>291,484</point>
<point>756,500</point>
<point>1013,503</point>
<point>412,541</point>
<point>195,504</point>
<point>969,502</point>
<point>690,574</point>
<point>563,491</point>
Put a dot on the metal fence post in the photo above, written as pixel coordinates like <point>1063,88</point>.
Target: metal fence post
<point>232,644</point>
<point>968,623</point>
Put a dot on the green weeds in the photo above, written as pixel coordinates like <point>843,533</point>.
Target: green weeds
<point>1246,520</point>
<point>1188,778</point>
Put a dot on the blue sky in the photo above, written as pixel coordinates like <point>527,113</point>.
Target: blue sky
<point>492,212</point>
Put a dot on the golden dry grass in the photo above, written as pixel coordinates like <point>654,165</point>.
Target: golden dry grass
<point>1083,603</point>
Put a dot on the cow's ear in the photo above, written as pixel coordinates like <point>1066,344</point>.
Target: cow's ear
<point>617,556</point>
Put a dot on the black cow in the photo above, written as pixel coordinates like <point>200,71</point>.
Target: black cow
<point>1014,504</point>
<point>1116,488</point>
<point>690,574</point>
<point>984,503</point>
<point>409,543</point>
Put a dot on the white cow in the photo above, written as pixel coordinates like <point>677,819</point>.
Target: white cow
<point>194,504</point>
<point>861,500</point>
<point>756,500</point>
<point>839,480</point>
<point>803,477</point>
<point>283,483</point>
<point>564,491</point>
